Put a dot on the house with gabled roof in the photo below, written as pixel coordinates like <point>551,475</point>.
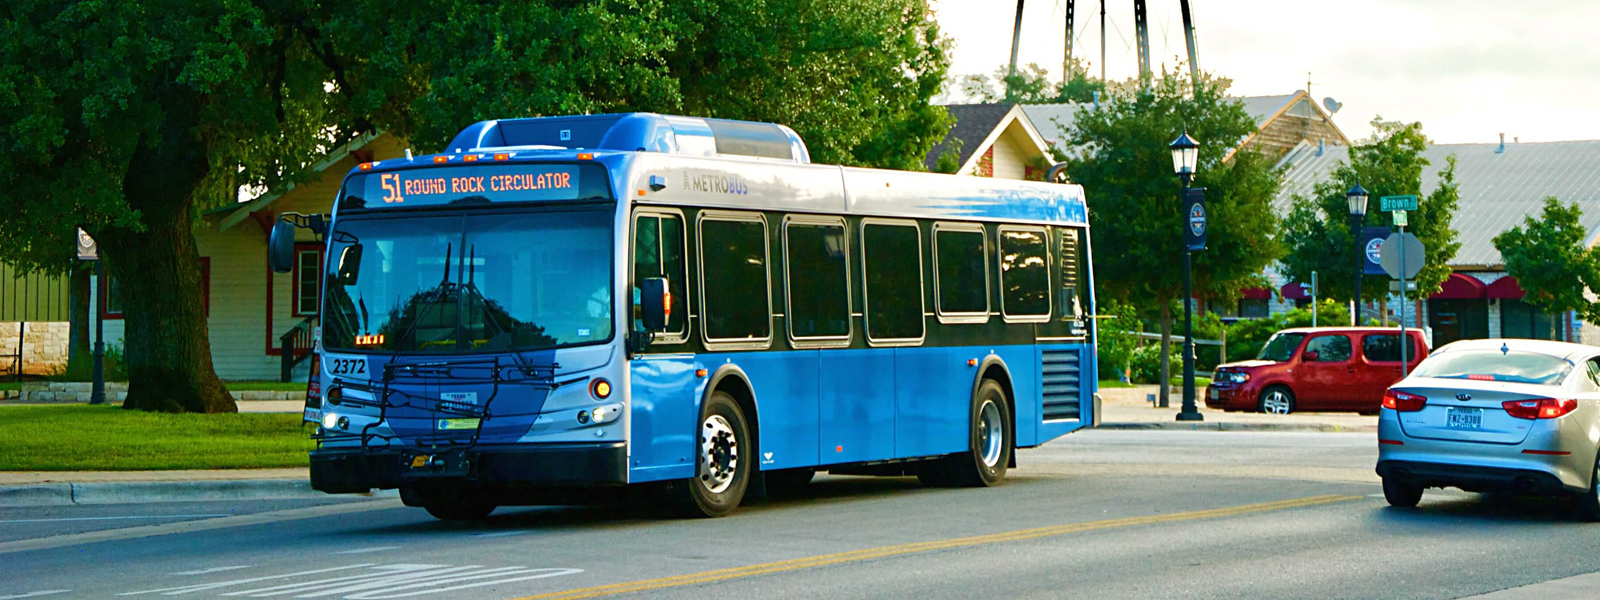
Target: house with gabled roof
<point>255,316</point>
<point>992,140</point>
<point>1499,185</point>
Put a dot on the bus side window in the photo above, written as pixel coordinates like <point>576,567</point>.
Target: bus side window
<point>961,272</point>
<point>736,304</point>
<point>1024,274</point>
<point>1071,271</point>
<point>658,252</point>
<point>819,280</point>
<point>891,259</point>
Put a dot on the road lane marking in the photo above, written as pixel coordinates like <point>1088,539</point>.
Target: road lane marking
<point>367,550</point>
<point>144,531</point>
<point>33,594</point>
<point>111,518</point>
<point>369,581</point>
<point>212,570</point>
<point>887,551</point>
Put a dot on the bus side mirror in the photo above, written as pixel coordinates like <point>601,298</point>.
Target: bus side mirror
<point>280,247</point>
<point>656,303</point>
<point>349,265</point>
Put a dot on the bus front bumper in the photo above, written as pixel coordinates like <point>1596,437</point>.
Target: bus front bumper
<point>345,471</point>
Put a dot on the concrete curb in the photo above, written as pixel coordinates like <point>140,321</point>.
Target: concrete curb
<point>133,492</point>
<point>1225,426</point>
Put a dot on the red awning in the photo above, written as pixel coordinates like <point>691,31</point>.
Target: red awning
<point>1257,294</point>
<point>1294,291</point>
<point>1461,287</point>
<point>1506,288</point>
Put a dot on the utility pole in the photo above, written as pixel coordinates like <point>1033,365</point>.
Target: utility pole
<point>1102,41</point>
<point>1066,58</point>
<point>1016,41</point>
<point>1194,49</point>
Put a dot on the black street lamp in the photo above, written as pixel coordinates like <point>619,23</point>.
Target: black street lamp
<point>1357,197</point>
<point>1185,160</point>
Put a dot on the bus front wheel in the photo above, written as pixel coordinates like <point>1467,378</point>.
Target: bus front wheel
<point>989,444</point>
<point>723,460</point>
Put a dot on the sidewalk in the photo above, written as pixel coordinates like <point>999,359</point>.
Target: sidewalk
<point>1126,408</point>
<point>67,488</point>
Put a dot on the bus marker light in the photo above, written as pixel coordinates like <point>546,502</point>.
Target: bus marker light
<point>700,373</point>
<point>838,448</point>
<point>366,166</point>
<point>641,192</point>
<point>972,362</point>
<point>502,156</point>
<point>585,156</point>
<point>601,390</point>
<point>469,158</point>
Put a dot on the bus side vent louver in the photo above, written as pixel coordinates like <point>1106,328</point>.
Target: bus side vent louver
<point>1060,384</point>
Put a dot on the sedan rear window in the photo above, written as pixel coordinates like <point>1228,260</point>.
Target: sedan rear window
<point>1496,365</point>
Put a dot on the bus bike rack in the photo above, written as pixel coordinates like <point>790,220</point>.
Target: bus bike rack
<point>445,453</point>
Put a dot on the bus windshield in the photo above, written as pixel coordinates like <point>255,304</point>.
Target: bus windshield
<point>457,283</point>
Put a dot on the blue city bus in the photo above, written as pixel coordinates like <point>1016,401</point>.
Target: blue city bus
<point>687,307</point>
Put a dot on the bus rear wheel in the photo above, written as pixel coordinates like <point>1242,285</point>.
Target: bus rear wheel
<point>723,456</point>
<point>989,445</point>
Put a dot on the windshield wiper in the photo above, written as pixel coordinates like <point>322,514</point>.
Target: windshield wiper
<point>432,298</point>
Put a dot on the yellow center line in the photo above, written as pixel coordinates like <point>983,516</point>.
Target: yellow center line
<point>885,551</point>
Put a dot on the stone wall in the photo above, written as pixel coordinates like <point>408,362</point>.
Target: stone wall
<point>44,347</point>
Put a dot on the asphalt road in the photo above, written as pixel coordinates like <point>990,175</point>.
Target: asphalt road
<point>1108,514</point>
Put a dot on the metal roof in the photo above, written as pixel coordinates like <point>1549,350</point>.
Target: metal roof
<point>1497,188</point>
<point>1054,121</point>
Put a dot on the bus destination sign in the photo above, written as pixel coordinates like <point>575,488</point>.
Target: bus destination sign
<point>464,185</point>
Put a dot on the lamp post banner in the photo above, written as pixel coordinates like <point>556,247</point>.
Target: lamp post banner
<point>1194,218</point>
<point>1371,249</point>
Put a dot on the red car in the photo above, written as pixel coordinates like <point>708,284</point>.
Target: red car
<point>1316,369</point>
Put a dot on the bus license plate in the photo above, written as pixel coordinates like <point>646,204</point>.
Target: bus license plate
<point>1464,418</point>
<point>449,424</point>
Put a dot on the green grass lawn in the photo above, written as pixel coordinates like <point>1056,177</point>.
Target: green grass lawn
<point>266,386</point>
<point>108,438</point>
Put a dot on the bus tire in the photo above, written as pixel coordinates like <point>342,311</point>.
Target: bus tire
<point>446,503</point>
<point>723,458</point>
<point>989,440</point>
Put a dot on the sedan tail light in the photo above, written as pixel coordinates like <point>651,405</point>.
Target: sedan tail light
<point>1539,408</point>
<point>1403,402</point>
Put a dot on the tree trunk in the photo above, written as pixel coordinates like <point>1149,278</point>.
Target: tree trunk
<point>78,329</point>
<point>1166,353</point>
<point>165,342</point>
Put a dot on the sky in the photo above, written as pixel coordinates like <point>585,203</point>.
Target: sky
<point>1467,69</point>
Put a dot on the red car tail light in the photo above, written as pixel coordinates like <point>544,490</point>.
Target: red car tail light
<point>1539,408</point>
<point>1403,402</point>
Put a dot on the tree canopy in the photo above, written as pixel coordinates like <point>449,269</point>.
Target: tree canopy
<point>1120,154</point>
<point>130,118</point>
<point>1031,85</point>
<point>1390,163</point>
<point>1550,261</point>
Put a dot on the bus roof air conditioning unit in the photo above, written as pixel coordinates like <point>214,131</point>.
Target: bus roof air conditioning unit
<point>641,132</point>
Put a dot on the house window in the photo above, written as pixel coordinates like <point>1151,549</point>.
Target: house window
<point>307,279</point>
<point>1254,308</point>
<point>110,291</point>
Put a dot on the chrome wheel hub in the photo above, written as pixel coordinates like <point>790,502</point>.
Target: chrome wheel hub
<point>1276,403</point>
<point>991,434</point>
<point>719,454</point>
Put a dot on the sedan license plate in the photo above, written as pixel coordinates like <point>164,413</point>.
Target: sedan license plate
<point>1214,394</point>
<point>1464,418</point>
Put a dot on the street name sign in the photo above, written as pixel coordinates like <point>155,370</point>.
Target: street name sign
<point>1393,203</point>
<point>1390,255</point>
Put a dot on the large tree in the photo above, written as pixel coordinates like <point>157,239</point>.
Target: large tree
<point>1120,154</point>
<point>1390,163</point>
<point>1550,261</point>
<point>1030,85</point>
<point>129,118</point>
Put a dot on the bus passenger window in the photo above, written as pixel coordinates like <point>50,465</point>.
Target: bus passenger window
<point>1024,274</point>
<point>1071,267</point>
<point>961,260</point>
<point>819,281</point>
<point>891,258</point>
<point>658,252</point>
<point>733,278</point>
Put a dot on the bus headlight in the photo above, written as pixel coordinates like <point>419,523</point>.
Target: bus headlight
<point>607,413</point>
<point>330,420</point>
